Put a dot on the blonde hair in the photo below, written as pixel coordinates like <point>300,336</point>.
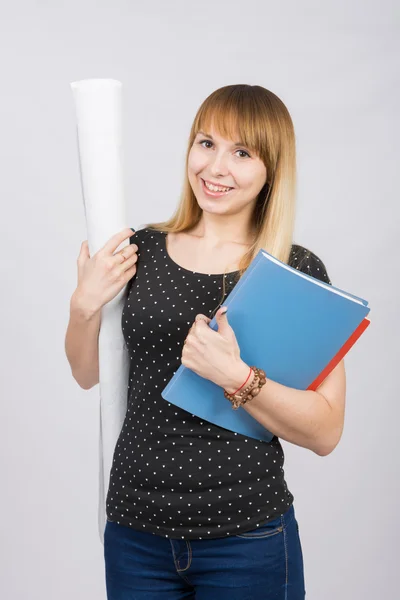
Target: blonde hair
<point>265,127</point>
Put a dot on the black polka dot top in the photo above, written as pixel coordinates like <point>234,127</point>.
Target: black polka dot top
<point>174,474</point>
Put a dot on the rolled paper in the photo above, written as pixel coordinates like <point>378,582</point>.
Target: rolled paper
<point>98,107</point>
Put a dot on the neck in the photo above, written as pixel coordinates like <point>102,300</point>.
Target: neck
<point>216,229</point>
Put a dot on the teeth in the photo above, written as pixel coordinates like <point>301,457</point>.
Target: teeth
<point>214,188</point>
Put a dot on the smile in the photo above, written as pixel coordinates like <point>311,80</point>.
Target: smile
<point>215,191</point>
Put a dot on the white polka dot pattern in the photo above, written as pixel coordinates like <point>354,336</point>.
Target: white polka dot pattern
<point>172,473</point>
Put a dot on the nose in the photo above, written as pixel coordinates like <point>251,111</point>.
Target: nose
<point>219,165</point>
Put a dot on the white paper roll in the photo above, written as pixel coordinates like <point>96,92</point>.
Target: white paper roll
<point>98,106</point>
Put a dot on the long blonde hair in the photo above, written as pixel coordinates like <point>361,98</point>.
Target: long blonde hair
<point>265,127</point>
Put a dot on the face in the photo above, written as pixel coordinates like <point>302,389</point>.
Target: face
<point>224,162</point>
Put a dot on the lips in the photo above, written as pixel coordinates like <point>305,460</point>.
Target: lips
<point>211,194</point>
<point>217,184</point>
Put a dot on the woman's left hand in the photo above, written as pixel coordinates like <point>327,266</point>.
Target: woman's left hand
<point>214,355</point>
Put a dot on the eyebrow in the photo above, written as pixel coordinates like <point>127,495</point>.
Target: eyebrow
<point>211,138</point>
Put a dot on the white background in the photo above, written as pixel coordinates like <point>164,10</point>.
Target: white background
<point>335,65</point>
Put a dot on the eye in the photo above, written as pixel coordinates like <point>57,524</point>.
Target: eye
<point>244,151</point>
<point>201,142</point>
<point>205,142</point>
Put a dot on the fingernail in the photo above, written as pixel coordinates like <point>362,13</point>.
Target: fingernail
<point>224,310</point>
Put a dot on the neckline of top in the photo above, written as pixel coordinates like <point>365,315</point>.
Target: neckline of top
<point>197,273</point>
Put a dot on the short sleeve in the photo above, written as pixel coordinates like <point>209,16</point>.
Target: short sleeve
<point>134,237</point>
<point>309,263</point>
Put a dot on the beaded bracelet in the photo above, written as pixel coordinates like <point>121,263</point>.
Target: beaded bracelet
<point>238,399</point>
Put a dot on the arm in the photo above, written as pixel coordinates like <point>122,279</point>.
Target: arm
<point>81,342</point>
<point>82,336</point>
<point>313,420</point>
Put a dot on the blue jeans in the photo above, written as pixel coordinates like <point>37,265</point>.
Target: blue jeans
<point>263,564</point>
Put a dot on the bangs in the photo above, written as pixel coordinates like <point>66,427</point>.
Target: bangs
<point>234,116</point>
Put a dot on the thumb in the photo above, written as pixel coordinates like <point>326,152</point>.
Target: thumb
<point>83,257</point>
<point>222,320</point>
<point>84,252</point>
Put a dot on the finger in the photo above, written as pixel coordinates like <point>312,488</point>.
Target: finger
<point>127,264</point>
<point>201,321</point>
<point>190,332</point>
<point>201,330</point>
<point>117,239</point>
<point>201,317</point>
<point>127,252</point>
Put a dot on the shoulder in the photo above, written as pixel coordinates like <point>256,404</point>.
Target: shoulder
<point>143,234</point>
<point>307,262</point>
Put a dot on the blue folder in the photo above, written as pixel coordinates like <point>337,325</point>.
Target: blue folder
<point>287,323</point>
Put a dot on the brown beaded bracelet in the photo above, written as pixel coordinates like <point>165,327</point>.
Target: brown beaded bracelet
<point>250,391</point>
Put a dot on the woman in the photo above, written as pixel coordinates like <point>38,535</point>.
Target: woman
<point>194,510</point>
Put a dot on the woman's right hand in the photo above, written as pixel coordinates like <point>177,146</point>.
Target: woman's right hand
<point>102,276</point>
